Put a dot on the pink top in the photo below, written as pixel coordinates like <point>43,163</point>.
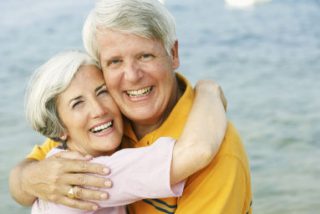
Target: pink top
<point>135,173</point>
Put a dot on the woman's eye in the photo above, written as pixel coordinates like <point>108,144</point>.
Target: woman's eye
<point>102,92</point>
<point>76,104</point>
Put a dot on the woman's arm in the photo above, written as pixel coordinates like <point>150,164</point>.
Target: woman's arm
<point>203,132</point>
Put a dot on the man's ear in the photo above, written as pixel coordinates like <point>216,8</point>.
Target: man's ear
<point>175,55</point>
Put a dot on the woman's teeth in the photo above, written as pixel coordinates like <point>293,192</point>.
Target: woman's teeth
<point>101,127</point>
<point>140,92</point>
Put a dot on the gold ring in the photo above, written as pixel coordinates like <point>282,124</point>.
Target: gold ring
<point>71,193</point>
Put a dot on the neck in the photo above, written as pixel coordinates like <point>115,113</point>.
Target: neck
<point>77,148</point>
<point>73,147</point>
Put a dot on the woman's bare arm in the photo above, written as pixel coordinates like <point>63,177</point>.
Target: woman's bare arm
<point>203,132</point>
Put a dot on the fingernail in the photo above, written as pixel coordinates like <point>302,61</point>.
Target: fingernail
<point>106,170</point>
<point>103,196</point>
<point>95,207</point>
<point>88,157</point>
<point>107,183</point>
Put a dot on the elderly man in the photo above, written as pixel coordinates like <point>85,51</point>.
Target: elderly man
<point>136,44</point>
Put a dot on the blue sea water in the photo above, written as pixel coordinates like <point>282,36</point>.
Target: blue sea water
<point>266,58</point>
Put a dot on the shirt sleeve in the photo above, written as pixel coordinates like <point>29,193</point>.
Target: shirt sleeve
<point>40,152</point>
<point>139,173</point>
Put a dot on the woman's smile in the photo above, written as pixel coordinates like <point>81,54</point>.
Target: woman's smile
<point>89,114</point>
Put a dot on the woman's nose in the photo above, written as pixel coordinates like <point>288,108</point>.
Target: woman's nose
<point>98,109</point>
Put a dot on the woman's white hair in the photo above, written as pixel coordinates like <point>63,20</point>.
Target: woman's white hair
<point>145,18</point>
<point>46,83</point>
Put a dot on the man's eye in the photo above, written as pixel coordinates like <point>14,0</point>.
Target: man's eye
<point>146,56</point>
<point>114,62</point>
<point>102,92</point>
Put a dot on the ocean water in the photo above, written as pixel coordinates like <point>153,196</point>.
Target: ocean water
<point>265,57</point>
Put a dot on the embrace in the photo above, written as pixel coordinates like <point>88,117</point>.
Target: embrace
<point>125,132</point>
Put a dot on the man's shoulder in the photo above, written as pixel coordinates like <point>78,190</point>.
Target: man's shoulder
<point>230,159</point>
<point>231,153</point>
<point>40,152</point>
<point>232,143</point>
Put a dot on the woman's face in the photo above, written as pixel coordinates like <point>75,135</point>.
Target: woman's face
<point>89,114</point>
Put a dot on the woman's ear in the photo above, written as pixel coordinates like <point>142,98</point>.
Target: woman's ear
<point>63,140</point>
<point>64,137</point>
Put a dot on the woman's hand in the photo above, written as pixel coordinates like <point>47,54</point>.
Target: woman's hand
<point>212,87</point>
<point>51,179</point>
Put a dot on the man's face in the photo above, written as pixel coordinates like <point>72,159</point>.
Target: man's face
<point>139,75</point>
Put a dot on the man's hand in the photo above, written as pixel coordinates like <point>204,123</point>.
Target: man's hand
<point>51,179</point>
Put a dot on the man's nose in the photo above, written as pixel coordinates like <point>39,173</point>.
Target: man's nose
<point>133,71</point>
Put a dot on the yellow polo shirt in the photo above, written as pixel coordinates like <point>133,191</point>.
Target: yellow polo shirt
<point>40,152</point>
<point>223,187</point>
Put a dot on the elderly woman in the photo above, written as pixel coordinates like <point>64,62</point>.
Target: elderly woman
<point>68,101</point>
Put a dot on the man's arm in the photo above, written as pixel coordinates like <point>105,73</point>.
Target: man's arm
<point>17,193</point>
<point>52,178</point>
<point>203,132</point>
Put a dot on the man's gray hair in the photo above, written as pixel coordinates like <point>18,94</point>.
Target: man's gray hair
<point>46,83</point>
<point>146,18</point>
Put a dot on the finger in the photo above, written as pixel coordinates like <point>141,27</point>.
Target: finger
<point>73,155</point>
<point>88,194</point>
<point>85,167</point>
<point>86,180</point>
<point>79,204</point>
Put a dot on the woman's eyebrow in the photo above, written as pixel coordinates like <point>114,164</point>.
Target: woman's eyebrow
<point>75,98</point>
<point>99,87</point>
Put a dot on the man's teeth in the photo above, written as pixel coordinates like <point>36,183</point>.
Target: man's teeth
<point>140,92</point>
<point>101,127</point>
